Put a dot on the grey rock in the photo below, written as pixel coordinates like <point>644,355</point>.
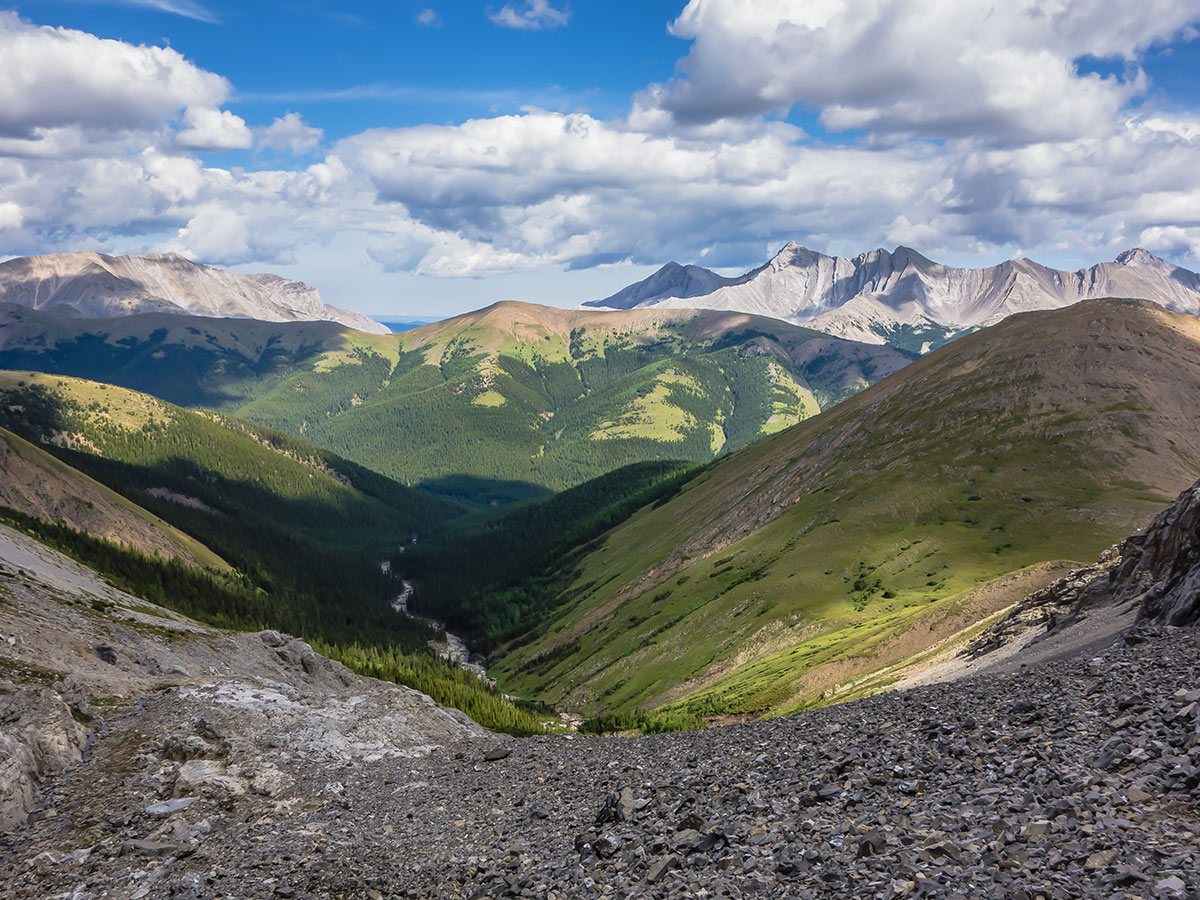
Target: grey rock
<point>106,652</point>
<point>607,845</point>
<point>659,868</point>
<point>153,848</point>
<point>73,692</point>
<point>170,807</point>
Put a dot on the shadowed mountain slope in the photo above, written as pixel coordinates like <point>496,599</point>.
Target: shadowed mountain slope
<point>239,487</point>
<point>39,485</point>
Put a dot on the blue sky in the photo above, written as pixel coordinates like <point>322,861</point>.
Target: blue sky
<point>389,69</point>
<point>425,158</point>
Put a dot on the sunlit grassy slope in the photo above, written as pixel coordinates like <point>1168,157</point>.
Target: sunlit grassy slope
<point>534,397</point>
<point>507,402</point>
<point>864,535</point>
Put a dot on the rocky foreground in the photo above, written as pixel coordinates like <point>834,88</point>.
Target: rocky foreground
<point>1073,778</point>
<point>248,766</point>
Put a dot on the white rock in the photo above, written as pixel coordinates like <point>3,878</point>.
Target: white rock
<point>208,777</point>
<point>868,297</point>
<point>170,807</point>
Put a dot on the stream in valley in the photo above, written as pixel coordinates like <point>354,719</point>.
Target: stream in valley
<point>454,647</point>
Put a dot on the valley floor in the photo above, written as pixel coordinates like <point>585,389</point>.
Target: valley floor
<point>1068,778</point>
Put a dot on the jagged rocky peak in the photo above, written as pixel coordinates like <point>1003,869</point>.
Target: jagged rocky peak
<point>1139,256</point>
<point>671,281</point>
<point>793,249</point>
<point>880,296</point>
<point>175,259</point>
<point>902,257</point>
<point>93,285</point>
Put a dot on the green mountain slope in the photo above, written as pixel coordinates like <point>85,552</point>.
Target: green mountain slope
<point>42,486</point>
<point>302,529</point>
<point>187,360</point>
<point>474,572</point>
<point>512,401</point>
<point>263,500</point>
<point>869,533</point>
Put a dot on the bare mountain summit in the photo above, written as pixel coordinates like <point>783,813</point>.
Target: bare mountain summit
<point>903,298</point>
<point>92,285</point>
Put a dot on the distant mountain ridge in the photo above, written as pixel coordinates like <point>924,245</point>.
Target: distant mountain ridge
<point>902,297</point>
<point>502,403</point>
<point>93,285</point>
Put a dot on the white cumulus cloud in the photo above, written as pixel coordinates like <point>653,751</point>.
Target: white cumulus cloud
<point>10,216</point>
<point>55,77</point>
<point>923,67</point>
<point>290,133</point>
<point>213,129</point>
<point>971,148</point>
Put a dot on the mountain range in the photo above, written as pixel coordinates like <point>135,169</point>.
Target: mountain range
<point>94,285</point>
<point>709,465</point>
<point>903,298</point>
<point>506,402</point>
<point>847,518</point>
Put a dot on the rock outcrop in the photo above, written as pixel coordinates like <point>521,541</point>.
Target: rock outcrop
<point>94,285</point>
<point>39,737</point>
<point>1160,567</point>
<point>231,713</point>
<point>1155,571</point>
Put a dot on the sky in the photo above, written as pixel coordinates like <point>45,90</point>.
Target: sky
<point>425,158</point>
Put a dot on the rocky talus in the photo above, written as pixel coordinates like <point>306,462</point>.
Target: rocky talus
<point>1068,779</point>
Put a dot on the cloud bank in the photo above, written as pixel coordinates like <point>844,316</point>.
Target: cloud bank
<point>967,130</point>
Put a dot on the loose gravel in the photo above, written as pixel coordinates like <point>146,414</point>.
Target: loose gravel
<point>1072,778</point>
